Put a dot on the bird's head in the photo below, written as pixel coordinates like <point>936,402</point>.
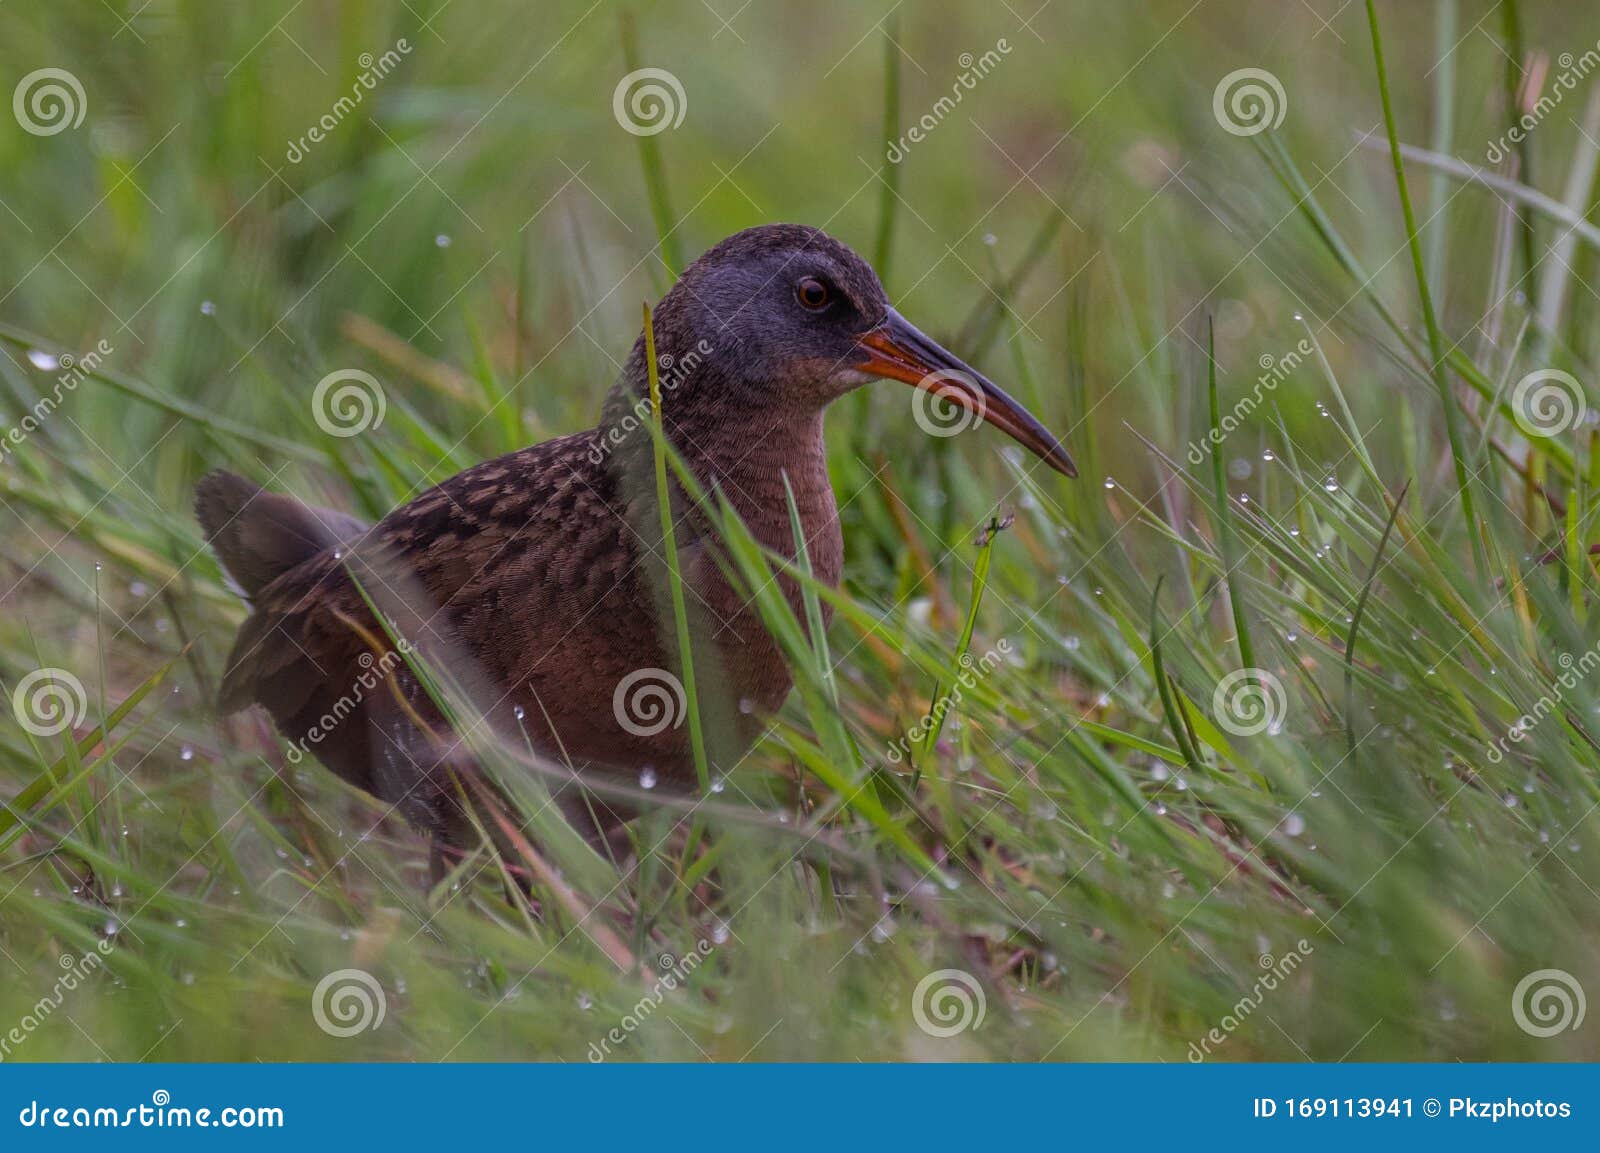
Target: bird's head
<point>784,316</point>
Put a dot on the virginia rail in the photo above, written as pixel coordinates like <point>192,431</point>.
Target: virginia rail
<point>535,579</point>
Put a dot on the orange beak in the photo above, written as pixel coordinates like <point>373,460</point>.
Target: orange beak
<point>897,350</point>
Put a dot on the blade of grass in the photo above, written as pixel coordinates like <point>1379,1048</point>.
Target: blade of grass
<point>1355,624</point>
<point>1436,350</point>
<point>1225,535</point>
<point>680,611</point>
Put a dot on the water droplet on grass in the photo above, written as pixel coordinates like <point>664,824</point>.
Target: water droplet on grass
<point>42,360</point>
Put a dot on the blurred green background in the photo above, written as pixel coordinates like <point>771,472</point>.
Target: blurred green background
<point>1110,869</point>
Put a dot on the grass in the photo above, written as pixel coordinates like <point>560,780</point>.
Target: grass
<point>1080,831</point>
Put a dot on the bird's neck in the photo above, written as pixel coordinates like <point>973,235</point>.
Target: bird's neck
<point>742,448</point>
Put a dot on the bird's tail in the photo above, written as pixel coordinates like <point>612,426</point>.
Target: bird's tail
<point>260,535</point>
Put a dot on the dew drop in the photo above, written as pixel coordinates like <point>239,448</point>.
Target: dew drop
<point>186,753</point>
<point>647,778</point>
<point>207,308</point>
<point>1110,483</point>
<point>1294,824</point>
<point>442,240</point>
<point>43,360</point>
<point>519,712</point>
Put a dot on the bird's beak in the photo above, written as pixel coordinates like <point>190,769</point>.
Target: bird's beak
<point>896,349</point>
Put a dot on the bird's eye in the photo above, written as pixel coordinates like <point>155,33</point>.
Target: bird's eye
<point>812,294</point>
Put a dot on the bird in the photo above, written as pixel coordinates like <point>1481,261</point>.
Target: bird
<point>536,579</point>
